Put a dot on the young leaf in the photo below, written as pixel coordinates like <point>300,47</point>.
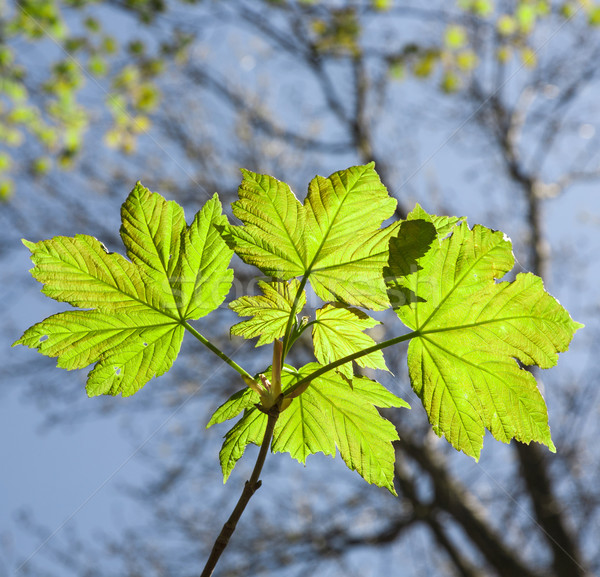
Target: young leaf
<point>305,428</point>
<point>338,332</point>
<point>249,429</point>
<point>232,407</point>
<point>327,415</point>
<point>334,239</point>
<point>128,348</point>
<point>410,244</point>
<point>151,232</point>
<point>81,272</point>
<point>472,330</point>
<point>201,277</point>
<point>347,250</point>
<point>275,225</point>
<point>243,399</point>
<point>270,312</point>
<point>135,329</point>
<point>354,274</point>
<point>330,414</point>
<point>443,224</point>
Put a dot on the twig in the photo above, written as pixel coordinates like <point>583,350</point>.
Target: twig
<point>250,488</point>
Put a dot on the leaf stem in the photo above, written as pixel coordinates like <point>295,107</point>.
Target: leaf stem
<point>304,382</point>
<point>245,375</point>
<point>288,328</point>
<point>250,488</point>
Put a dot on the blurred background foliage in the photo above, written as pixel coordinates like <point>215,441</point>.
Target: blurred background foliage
<point>45,106</point>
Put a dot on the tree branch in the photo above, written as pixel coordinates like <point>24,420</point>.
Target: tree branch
<point>567,559</point>
<point>452,498</point>
<point>262,121</point>
<point>251,486</point>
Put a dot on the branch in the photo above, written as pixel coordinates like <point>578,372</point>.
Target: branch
<point>427,513</point>
<point>567,559</point>
<point>261,121</point>
<point>463,566</point>
<point>563,105</point>
<point>450,496</point>
<point>555,189</point>
<point>251,486</point>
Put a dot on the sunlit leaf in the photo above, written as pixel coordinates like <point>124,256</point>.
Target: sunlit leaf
<point>466,60</point>
<point>246,399</point>
<point>338,332</point>
<point>249,429</point>
<point>151,231</point>
<point>506,25</point>
<point>426,63</point>
<point>450,82</point>
<point>529,57</point>
<point>80,271</point>
<point>471,331</point>
<point>526,16</point>
<point>269,312</point>
<point>327,415</point>
<point>134,330</point>
<point>455,37</point>
<point>272,238</point>
<point>232,407</point>
<point>201,278</point>
<point>442,224</point>
<point>334,238</point>
<point>594,16</point>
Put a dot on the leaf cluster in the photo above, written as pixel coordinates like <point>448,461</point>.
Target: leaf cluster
<point>471,334</point>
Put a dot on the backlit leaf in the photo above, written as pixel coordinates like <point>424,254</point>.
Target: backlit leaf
<point>443,224</point>
<point>327,415</point>
<point>246,398</point>
<point>455,37</point>
<point>330,414</point>
<point>81,272</point>
<point>274,226</point>
<point>338,332</point>
<point>472,330</point>
<point>249,429</point>
<point>232,407</point>
<point>334,238</point>
<point>202,278</point>
<point>269,312</point>
<point>354,275</point>
<point>129,352</point>
<point>151,232</point>
<point>134,330</point>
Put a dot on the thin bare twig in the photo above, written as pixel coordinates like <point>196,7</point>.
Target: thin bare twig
<point>251,486</point>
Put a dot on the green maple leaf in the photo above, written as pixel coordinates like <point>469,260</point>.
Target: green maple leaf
<point>249,429</point>
<point>338,332</point>
<point>139,307</point>
<point>327,415</point>
<point>151,231</point>
<point>244,399</point>
<point>334,239</point>
<point>472,330</point>
<point>269,312</point>
<point>442,224</point>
